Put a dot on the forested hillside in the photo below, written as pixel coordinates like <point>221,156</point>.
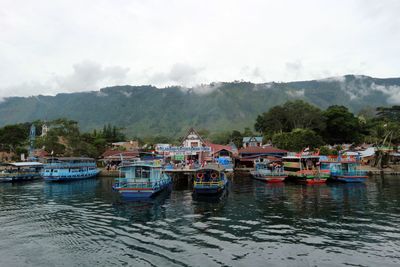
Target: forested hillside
<point>147,110</point>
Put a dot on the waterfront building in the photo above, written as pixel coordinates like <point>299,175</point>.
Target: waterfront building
<point>45,129</point>
<point>247,155</point>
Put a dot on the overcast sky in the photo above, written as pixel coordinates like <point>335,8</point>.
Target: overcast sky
<point>50,46</point>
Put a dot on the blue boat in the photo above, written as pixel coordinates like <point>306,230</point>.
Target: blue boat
<point>142,180</point>
<point>20,171</point>
<point>226,163</point>
<point>344,170</point>
<point>210,179</point>
<point>69,169</point>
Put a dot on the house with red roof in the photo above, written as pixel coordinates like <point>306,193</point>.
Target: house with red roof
<point>221,150</point>
<point>114,156</point>
<point>247,155</point>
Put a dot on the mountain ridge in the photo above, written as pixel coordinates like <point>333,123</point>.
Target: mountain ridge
<point>149,110</point>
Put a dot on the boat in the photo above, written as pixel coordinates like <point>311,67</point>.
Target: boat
<point>210,179</point>
<point>271,172</point>
<point>142,180</point>
<point>304,169</point>
<point>226,163</point>
<point>20,171</point>
<point>344,169</point>
<point>69,169</point>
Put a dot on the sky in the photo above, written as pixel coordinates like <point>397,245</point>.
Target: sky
<point>48,47</point>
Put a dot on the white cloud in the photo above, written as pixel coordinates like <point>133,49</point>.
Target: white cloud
<point>295,93</point>
<point>179,74</point>
<point>392,91</point>
<point>334,79</point>
<point>187,42</point>
<point>87,76</point>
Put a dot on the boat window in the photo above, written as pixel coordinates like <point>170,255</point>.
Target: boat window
<point>142,172</point>
<point>309,163</point>
<point>291,159</point>
<point>325,166</point>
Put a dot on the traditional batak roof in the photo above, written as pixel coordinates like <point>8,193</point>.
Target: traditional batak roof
<point>258,139</point>
<point>192,131</point>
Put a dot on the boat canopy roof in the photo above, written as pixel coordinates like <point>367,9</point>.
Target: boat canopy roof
<point>70,158</point>
<point>301,157</point>
<point>24,164</point>
<point>142,164</point>
<point>213,167</point>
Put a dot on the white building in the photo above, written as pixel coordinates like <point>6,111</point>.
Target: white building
<point>45,129</point>
<point>193,139</point>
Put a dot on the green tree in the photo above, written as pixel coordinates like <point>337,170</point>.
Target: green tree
<point>297,140</point>
<point>236,138</point>
<point>341,126</point>
<point>222,138</point>
<point>389,113</point>
<point>14,137</point>
<point>289,116</point>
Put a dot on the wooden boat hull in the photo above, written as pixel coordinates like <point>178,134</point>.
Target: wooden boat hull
<point>138,193</point>
<point>268,178</point>
<point>350,179</point>
<point>208,191</point>
<point>21,178</point>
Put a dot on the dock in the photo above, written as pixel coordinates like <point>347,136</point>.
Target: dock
<point>179,175</point>
<point>105,173</point>
<point>373,171</point>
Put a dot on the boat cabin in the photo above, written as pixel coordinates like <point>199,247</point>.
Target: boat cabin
<point>142,171</point>
<point>294,164</point>
<point>20,171</point>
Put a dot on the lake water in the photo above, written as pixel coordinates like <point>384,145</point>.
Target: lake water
<point>84,223</point>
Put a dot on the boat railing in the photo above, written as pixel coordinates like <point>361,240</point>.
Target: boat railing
<point>128,183</point>
<point>67,165</point>
<point>212,183</point>
<point>350,173</point>
<point>8,174</point>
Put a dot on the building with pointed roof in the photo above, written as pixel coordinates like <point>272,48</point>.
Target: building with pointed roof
<point>192,139</point>
<point>252,141</point>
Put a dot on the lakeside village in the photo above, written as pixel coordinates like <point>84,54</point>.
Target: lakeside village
<point>141,171</point>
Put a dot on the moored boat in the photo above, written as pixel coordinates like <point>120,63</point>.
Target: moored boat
<point>344,169</point>
<point>20,171</point>
<point>210,179</point>
<point>268,171</point>
<point>226,163</point>
<point>142,180</point>
<point>69,169</point>
<point>304,169</point>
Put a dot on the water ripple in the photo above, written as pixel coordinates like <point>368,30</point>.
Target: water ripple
<point>256,224</point>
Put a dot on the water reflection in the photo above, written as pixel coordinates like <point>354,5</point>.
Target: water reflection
<point>67,190</point>
<point>252,224</point>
